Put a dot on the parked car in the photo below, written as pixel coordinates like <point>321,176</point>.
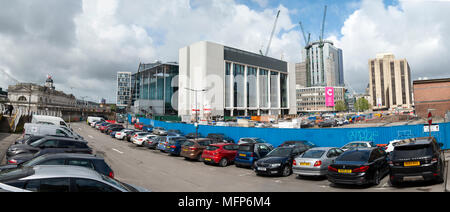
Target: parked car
<point>31,139</point>
<point>90,161</point>
<point>300,143</point>
<point>390,147</point>
<point>22,158</point>
<point>101,124</point>
<point>163,143</point>
<point>138,125</point>
<point>174,133</point>
<point>359,166</point>
<point>278,161</point>
<point>249,153</point>
<point>315,161</point>
<point>417,159</point>
<point>327,123</point>
<point>152,142</point>
<point>139,140</point>
<point>102,127</point>
<point>138,135</point>
<point>147,128</point>
<point>193,148</point>
<point>111,127</point>
<point>193,135</point>
<point>159,131</point>
<point>49,142</point>
<point>68,178</point>
<point>220,138</point>
<point>174,145</point>
<point>47,129</point>
<point>220,153</point>
<point>123,133</point>
<point>358,144</point>
<point>307,123</point>
<point>112,131</point>
<point>250,140</point>
<point>131,135</point>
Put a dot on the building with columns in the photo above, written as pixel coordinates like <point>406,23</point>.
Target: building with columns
<point>217,80</point>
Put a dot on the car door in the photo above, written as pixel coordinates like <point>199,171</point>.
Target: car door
<point>263,150</point>
<point>88,185</point>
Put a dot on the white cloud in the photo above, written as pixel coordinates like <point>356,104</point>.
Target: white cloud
<point>415,30</point>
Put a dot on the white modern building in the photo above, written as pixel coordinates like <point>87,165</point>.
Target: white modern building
<point>216,80</point>
<point>123,89</point>
<point>324,64</point>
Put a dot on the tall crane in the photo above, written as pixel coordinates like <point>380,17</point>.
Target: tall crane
<point>271,35</point>
<point>321,44</point>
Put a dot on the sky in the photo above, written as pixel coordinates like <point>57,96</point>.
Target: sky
<point>82,44</point>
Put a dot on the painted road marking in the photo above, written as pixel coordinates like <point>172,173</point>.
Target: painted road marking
<point>117,151</point>
<point>90,136</point>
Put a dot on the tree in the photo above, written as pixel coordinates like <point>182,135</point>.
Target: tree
<point>340,106</point>
<point>361,105</point>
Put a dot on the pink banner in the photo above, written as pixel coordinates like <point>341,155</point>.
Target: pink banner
<point>329,96</point>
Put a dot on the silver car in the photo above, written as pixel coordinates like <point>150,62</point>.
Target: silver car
<point>55,178</point>
<point>315,161</point>
<point>358,144</point>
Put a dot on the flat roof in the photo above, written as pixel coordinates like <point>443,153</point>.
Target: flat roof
<point>431,81</point>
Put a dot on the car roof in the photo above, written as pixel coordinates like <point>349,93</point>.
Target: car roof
<point>63,138</point>
<point>322,148</point>
<point>362,149</point>
<point>57,171</point>
<point>415,141</point>
<point>72,155</point>
<point>222,144</point>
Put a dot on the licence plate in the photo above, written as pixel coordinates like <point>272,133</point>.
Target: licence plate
<point>243,155</point>
<point>262,169</point>
<point>185,150</point>
<point>345,171</point>
<point>305,164</point>
<point>208,159</point>
<point>412,163</point>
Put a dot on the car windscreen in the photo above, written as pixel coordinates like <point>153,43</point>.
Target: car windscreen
<point>38,142</point>
<point>313,154</point>
<point>15,174</point>
<point>34,161</point>
<point>259,140</point>
<point>412,151</point>
<point>118,184</point>
<point>246,148</point>
<point>212,148</point>
<point>280,152</point>
<point>356,155</point>
<point>188,143</point>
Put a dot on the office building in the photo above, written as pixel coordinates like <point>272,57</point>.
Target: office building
<point>313,99</point>
<point>390,83</point>
<point>154,90</point>
<point>324,65</point>
<point>300,74</point>
<point>432,96</point>
<point>217,80</point>
<point>123,89</point>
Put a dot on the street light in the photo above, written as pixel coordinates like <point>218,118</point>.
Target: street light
<point>196,109</point>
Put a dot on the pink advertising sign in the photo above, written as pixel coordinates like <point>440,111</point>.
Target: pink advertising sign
<point>329,96</point>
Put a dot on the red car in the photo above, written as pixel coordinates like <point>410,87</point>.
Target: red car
<point>139,126</point>
<point>220,153</point>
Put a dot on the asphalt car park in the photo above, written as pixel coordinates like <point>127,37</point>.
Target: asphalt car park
<point>156,171</point>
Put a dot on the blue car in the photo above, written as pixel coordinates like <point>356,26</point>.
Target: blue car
<point>249,153</point>
<point>147,128</point>
<point>174,145</point>
<point>163,143</point>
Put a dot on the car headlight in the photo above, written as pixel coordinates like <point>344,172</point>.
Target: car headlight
<point>275,165</point>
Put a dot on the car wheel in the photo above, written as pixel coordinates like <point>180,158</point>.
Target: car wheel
<point>223,162</point>
<point>286,171</point>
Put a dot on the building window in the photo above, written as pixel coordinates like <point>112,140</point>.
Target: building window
<point>263,88</point>
<point>374,91</point>
<point>274,85</point>
<point>383,99</point>
<point>227,84</point>
<point>251,87</point>
<point>394,93</point>
<point>22,99</point>
<point>239,85</point>
<point>403,77</point>
<point>283,90</point>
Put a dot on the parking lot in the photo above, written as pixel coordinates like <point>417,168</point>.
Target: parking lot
<point>157,171</point>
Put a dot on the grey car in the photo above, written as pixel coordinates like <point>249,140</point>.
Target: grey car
<point>44,178</point>
<point>315,161</point>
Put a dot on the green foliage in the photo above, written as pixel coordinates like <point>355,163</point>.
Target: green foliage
<point>340,106</point>
<point>361,105</point>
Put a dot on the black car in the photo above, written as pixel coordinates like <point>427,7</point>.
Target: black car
<point>153,142</point>
<point>49,142</point>
<point>220,138</point>
<point>28,139</point>
<point>300,144</point>
<point>22,158</point>
<point>278,161</point>
<point>359,166</point>
<point>193,135</point>
<point>417,159</point>
<point>113,126</point>
<point>90,161</point>
<point>328,123</point>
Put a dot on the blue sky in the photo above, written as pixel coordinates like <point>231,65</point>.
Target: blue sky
<point>310,13</point>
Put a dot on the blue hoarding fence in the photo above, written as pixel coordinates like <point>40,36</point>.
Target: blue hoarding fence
<point>335,137</point>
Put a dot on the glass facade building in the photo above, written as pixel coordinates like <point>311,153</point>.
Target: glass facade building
<point>123,89</point>
<point>154,87</point>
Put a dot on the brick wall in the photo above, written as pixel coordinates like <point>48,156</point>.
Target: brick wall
<point>432,95</point>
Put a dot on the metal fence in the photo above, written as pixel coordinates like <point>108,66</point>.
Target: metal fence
<point>336,137</point>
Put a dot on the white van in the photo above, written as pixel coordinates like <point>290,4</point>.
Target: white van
<point>38,119</point>
<point>92,119</point>
<point>32,129</point>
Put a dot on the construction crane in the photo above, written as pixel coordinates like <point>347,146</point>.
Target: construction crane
<point>271,35</point>
<point>304,35</point>
<point>9,76</point>
<point>321,44</point>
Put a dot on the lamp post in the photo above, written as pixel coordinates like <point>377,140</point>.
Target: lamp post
<point>196,109</point>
